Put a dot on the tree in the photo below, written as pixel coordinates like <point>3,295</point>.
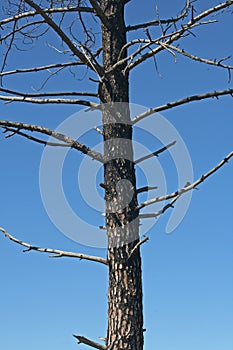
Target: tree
<point>108,61</point>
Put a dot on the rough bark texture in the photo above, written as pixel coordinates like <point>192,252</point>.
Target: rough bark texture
<point>125,319</point>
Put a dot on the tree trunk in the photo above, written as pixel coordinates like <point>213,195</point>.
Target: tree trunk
<point>125,318</point>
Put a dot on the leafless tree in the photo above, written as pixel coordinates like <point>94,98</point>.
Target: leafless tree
<point>94,42</point>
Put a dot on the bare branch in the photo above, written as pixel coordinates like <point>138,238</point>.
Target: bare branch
<point>47,67</point>
<point>199,59</point>
<point>161,21</point>
<point>136,247</point>
<point>56,253</point>
<point>100,13</point>
<point>156,153</point>
<point>66,139</point>
<point>46,10</point>
<point>64,37</point>
<point>86,341</point>
<point>179,33</point>
<point>146,189</point>
<point>188,187</point>
<point>159,212</point>
<point>49,100</point>
<point>42,94</point>
<point>188,99</point>
<point>35,139</point>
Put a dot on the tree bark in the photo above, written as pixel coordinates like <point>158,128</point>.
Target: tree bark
<point>125,317</point>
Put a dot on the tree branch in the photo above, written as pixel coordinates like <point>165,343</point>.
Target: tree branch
<point>86,341</point>
<point>47,10</point>
<point>36,69</point>
<point>48,100</point>
<point>157,22</point>
<point>65,38</point>
<point>47,94</point>
<point>156,153</point>
<point>56,253</point>
<point>188,187</point>
<point>146,189</point>
<point>99,13</point>
<point>188,99</point>
<point>195,21</point>
<point>199,59</point>
<point>136,247</point>
<point>66,139</point>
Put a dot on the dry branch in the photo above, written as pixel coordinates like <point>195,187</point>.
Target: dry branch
<point>64,37</point>
<point>146,189</point>
<point>158,22</point>
<point>48,100</point>
<point>46,94</point>
<point>55,252</point>
<point>145,239</point>
<point>156,153</point>
<point>46,10</point>
<point>188,187</point>
<point>61,137</point>
<point>188,99</point>
<point>86,341</point>
<point>186,28</point>
<point>37,69</point>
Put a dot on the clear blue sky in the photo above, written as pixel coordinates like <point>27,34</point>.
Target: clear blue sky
<point>187,275</point>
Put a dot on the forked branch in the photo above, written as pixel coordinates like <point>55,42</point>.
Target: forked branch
<point>55,252</point>
<point>188,187</point>
<point>65,38</point>
<point>61,137</point>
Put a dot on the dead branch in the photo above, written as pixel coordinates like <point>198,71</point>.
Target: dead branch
<point>188,99</point>
<point>64,37</point>
<point>55,252</point>
<point>86,341</point>
<point>161,211</point>
<point>156,153</point>
<point>42,130</point>
<point>158,22</point>
<point>179,33</point>
<point>217,63</point>
<point>35,139</point>
<point>47,10</point>
<point>100,13</point>
<point>136,247</point>
<point>47,67</point>
<point>146,189</point>
<point>47,94</point>
<point>49,101</point>
<point>188,187</point>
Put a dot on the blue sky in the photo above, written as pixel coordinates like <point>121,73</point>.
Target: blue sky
<point>187,275</point>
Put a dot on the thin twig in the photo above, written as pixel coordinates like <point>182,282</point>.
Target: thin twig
<point>56,253</point>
